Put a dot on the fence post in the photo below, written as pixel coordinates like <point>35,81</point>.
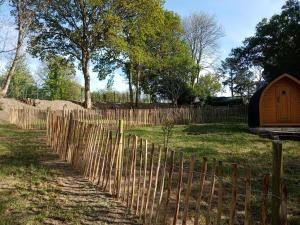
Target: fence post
<point>276,181</point>
<point>248,198</point>
<point>179,190</point>
<point>220,193</point>
<point>69,134</point>
<point>120,158</point>
<point>233,194</point>
<point>264,200</point>
<point>201,188</point>
<point>284,203</point>
<point>211,191</point>
<point>170,179</point>
<point>188,192</point>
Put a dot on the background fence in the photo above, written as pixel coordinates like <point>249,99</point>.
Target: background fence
<point>29,118</point>
<point>160,186</point>
<point>36,119</point>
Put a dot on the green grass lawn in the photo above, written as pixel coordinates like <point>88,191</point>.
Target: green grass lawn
<point>38,188</point>
<point>22,177</point>
<point>231,143</point>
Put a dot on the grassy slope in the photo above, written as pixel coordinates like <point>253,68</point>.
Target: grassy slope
<point>232,143</point>
<point>25,195</point>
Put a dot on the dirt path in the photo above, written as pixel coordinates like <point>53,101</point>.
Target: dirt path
<point>38,188</point>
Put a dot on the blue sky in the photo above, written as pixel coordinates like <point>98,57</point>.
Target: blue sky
<point>237,17</point>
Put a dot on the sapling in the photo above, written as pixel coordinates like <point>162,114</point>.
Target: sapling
<point>168,125</point>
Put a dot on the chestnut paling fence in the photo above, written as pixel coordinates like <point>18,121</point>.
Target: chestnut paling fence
<point>162,186</point>
<point>36,119</point>
<point>29,119</point>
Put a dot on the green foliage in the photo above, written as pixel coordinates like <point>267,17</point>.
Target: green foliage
<point>188,95</point>
<point>237,76</point>
<point>137,22</point>
<point>22,83</point>
<point>107,95</point>
<point>140,21</point>
<point>207,86</point>
<point>168,125</point>
<point>60,28</point>
<point>59,79</point>
<point>75,29</point>
<point>276,44</point>
<point>172,67</point>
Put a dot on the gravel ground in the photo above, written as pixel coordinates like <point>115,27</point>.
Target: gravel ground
<point>8,103</point>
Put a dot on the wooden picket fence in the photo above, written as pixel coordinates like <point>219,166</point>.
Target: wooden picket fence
<point>29,119</point>
<point>36,119</point>
<point>159,185</point>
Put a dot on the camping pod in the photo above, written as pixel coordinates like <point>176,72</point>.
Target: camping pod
<point>276,104</point>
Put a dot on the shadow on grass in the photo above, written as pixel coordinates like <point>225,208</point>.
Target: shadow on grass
<point>38,188</point>
<point>216,128</point>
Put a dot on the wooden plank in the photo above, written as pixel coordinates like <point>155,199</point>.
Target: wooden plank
<point>188,192</point>
<point>126,151</point>
<point>130,171</point>
<point>276,181</point>
<point>248,198</point>
<point>145,175</point>
<point>149,182</point>
<point>233,194</point>
<point>201,187</point>
<point>211,191</point>
<point>100,152</point>
<point>120,156</point>
<point>220,193</point>
<point>139,177</point>
<point>156,181</point>
<point>133,172</point>
<point>284,197</point>
<point>105,155</point>
<point>162,186</point>
<point>264,200</point>
<point>170,179</point>
<point>179,189</point>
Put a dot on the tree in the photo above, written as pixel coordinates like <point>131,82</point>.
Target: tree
<point>170,78</point>
<point>202,33</point>
<point>207,86</point>
<point>171,67</point>
<point>76,29</point>
<point>22,83</point>
<point>240,80</point>
<point>23,13</point>
<point>275,47</point>
<point>58,78</point>
<point>140,20</point>
<point>227,71</point>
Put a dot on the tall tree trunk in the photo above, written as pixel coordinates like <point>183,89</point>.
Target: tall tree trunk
<point>12,68</point>
<point>130,87</point>
<point>137,94</point>
<point>87,81</point>
<point>129,76</point>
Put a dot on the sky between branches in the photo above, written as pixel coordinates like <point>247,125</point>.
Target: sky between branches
<point>237,17</point>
